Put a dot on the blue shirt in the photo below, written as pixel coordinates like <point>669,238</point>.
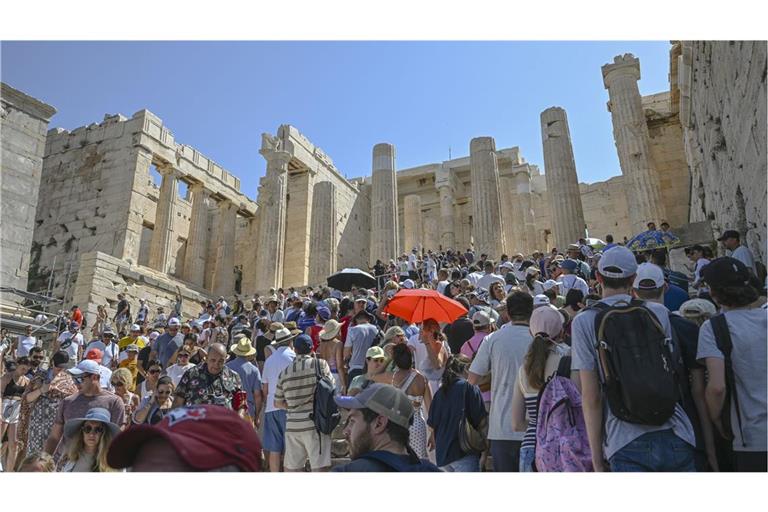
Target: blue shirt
<point>166,345</point>
<point>250,378</point>
<point>674,297</point>
<point>445,414</point>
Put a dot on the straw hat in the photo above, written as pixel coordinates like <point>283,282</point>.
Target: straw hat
<point>243,347</point>
<point>330,330</point>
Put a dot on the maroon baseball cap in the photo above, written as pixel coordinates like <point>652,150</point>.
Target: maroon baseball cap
<point>206,437</point>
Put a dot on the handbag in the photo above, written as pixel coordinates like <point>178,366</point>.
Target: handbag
<point>471,439</point>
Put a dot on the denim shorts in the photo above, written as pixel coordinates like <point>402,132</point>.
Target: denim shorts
<point>274,431</point>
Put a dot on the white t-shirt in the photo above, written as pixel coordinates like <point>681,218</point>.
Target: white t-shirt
<point>176,371</point>
<point>411,262</point>
<point>700,263</point>
<point>441,286</point>
<point>25,345</point>
<point>474,277</point>
<point>485,281</point>
<point>744,255</point>
<point>273,366</point>
<point>568,282</point>
<point>70,343</point>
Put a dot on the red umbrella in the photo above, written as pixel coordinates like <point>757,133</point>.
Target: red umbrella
<point>415,306</point>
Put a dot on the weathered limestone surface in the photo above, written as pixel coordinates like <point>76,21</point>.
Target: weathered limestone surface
<point>605,209</point>
<point>486,218</point>
<point>562,180</point>
<point>723,115</point>
<point>223,273</point>
<point>163,234</point>
<point>384,222</point>
<point>194,260</point>
<point>630,132</point>
<point>322,261</point>
<point>273,188</point>
<point>414,232</point>
<point>23,124</point>
<point>445,184</point>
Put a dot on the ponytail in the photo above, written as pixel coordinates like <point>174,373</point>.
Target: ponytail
<point>536,360</point>
<point>455,368</point>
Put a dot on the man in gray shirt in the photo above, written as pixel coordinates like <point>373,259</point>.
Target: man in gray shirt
<point>625,446</point>
<point>502,353</point>
<point>359,339</point>
<point>170,341</point>
<point>746,323</point>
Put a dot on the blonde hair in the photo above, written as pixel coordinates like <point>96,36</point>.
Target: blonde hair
<point>77,448</point>
<point>43,459</point>
<point>123,375</point>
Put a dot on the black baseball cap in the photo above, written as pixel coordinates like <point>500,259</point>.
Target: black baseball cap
<point>729,233</point>
<point>725,271</point>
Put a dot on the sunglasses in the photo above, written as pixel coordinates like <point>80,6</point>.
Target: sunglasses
<point>115,384</point>
<point>88,429</point>
<point>78,379</point>
<point>38,358</point>
<point>154,371</point>
<point>183,355</point>
<point>376,359</point>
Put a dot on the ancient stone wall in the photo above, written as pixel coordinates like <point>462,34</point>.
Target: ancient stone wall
<point>605,209</point>
<point>723,115</point>
<point>23,124</point>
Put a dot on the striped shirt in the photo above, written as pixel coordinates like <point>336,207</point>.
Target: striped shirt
<point>296,386</point>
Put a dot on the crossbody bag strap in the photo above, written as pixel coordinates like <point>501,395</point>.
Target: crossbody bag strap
<point>725,345</point>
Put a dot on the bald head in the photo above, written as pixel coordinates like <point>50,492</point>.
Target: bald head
<point>217,356</point>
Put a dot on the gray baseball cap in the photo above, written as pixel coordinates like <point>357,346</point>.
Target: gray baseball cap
<point>382,399</point>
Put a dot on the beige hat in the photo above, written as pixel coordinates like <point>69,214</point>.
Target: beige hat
<point>243,347</point>
<point>330,330</point>
<point>283,336</point>
<point>392,332</point>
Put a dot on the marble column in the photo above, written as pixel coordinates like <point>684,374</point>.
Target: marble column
<point>562,180</point>
<point>524,209</point>
<point>322,261</point>
<point>412,223</point>
<point>223,273</point>
<point>630,132</point>
<point>163,235</point>
<point>446,190</point>
<point>512,215</point>
<point>194,258</point>
<point>272,201</point>
<point>384,228</point>
<point>486,203</point>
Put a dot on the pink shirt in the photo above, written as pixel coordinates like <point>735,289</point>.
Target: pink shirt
<point>470,348</point>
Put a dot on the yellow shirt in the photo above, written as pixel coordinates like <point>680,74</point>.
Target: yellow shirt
<point>139,342</point>
<point>133,367</point>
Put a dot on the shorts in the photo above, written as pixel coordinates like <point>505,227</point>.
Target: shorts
<point>274,431</point>
<point>300,446</point>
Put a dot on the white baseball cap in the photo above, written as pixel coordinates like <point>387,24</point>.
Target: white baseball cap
<point>408,283</point>
<point>481,319</point>
<point>174,322</point>
<point>549,284</point>
<point>540,300</point>
<point>651,275</point>
<point>618,263</point>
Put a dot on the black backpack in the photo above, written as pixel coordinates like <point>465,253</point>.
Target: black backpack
<point>639,378</point>
<point>325,412</point>
<point>725,345</point>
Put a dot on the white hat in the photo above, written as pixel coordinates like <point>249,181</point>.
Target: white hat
<point>174,322</point>
<point>532,270</point>
<point>481,319</point>
<point>618,263</point>
<point>508,265</point>
<point>549,284</point>
<point>135,327</point>
<point>697,307</point>
<point>649,272</point>
<point>408,283</point>
<point>540,300</point>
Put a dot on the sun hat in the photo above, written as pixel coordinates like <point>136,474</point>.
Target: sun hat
<point>532,270</point>
<point>283,336</point>
<point>330,330</point>
<point>546,320</point>
<point>206,437</point>
<point>375,353</point>
<point>243,347</point>
<point>382,399</point>
<point>71,427</point>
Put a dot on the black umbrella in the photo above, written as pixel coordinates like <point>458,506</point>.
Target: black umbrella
<point>345,279</point>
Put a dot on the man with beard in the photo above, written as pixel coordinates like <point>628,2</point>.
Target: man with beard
<point>377,432</point>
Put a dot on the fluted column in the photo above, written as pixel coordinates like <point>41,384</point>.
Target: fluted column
<point>486,203</point>
<point>322,262</point>
<point>511,213</point>
<point>414,234</point>
<point>163,234</point>
<point>194,258</point>
<point>562,180</point>
<point>223,273</point>
<point>630,132</point>
<point>272,205</point>
<point>446,188</point>
<point>526,223</point>
<point>384,228</point>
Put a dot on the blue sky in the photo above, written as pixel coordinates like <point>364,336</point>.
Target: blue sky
<point>423,97</point>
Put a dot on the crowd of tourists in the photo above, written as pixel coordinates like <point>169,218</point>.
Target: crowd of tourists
<point>574,360</point>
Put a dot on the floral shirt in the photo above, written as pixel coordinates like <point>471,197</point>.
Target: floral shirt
<point>197,386</point>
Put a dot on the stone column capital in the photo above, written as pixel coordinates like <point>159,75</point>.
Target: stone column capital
<point>278,158</point>
<point>200,188</point>
<point>444,179</point>
<point>623,65</point>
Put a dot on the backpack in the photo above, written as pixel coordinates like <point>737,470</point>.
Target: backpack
<point>396,463</point>
<point>562,443</point>
<point>638,373</point>
<point>725,345</point>
<point>325,413</point>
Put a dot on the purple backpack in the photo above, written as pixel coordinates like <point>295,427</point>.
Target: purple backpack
<point>561,435</point>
